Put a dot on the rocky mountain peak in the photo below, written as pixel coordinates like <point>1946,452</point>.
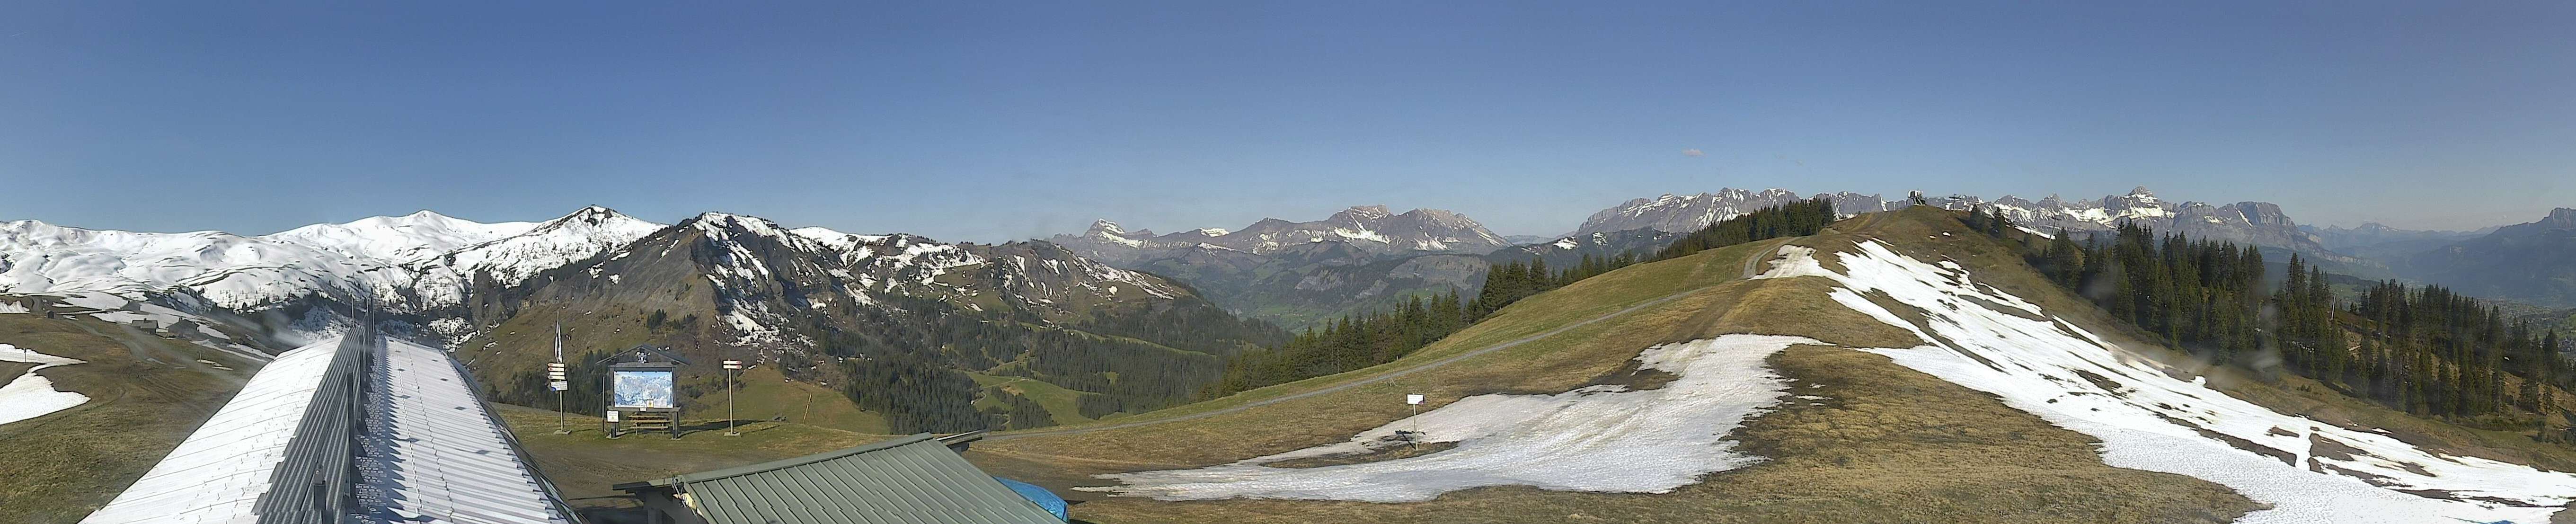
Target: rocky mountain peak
<point>1363,213</point>
<point>1107,229</point>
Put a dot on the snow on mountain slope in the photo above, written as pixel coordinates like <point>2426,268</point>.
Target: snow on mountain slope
<point>2151,418</point>
<point>442,280</point>
<point>1688,213</point>
<point>399,239</point>
<point>770,281</point>
<point>229,270</point>
<point>414,262</point>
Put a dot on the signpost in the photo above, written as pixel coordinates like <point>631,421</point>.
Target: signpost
<point>555,380</point>
<point>730,366</point>
<point>1414,401</point>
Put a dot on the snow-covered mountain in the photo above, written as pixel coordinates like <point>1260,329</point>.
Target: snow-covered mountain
<point>406,237</point>
<point>444,278</point>
<point>770,281</point>
<point>1374,229</point>
<point>424,267</point>
<point>425,257</point>
<point>1688,213</point>
<point>894,318</point>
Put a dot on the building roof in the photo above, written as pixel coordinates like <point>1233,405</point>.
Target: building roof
<point>907,480</point>
<point>424,455</point>
<point>388,431</point>
<point>220,471</point>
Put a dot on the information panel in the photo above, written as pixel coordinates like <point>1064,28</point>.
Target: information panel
<point>642,389</point>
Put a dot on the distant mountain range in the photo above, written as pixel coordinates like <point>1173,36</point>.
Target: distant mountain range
<point>2259,223</point>
<point>2379,242</point>
<point>821,306</point>
<point>1371,229</point>
<point>2531,262</point>
<point>1299,274</point>
<point>2256,223</point>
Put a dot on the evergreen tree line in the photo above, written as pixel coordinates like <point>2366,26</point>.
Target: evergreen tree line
<point>1134,375</point>
<point>905,360</point>
<point>1367,339</point>
<point>2426,350</point>
<point>915,394</point>
<point>1348,343</point>
<point>2431,351</point>
<point>1792,219</point>
<point>2205,297</point>
<point>1512,281</point>
<point>1015,412</point>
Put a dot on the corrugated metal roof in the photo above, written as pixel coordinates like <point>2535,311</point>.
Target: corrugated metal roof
<point>218,474</point>
<point>910,480</point>
<point>344,430</point>
<point>430,453</point>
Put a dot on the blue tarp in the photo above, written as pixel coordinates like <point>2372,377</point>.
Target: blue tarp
<point>1045,499</point>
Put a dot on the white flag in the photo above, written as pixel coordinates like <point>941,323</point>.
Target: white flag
<point>558,341</point>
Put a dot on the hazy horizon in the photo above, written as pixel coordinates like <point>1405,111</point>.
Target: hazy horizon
<point>990,123</point>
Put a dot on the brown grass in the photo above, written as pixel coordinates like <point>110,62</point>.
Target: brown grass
<point>583,464</point>
<point>146,394</point>
<point>1888,445</point>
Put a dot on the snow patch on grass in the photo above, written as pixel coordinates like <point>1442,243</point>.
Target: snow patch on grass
<point>1597,438</point>
<point>32,395</point>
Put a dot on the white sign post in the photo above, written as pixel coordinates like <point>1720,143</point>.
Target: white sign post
<point>1414,401</point>
<point>730,366</point>
<point>555,380</point>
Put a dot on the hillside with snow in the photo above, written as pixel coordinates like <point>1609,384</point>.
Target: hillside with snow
<point>1736,384</point>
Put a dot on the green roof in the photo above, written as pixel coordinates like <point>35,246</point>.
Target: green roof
<point>909,480</point>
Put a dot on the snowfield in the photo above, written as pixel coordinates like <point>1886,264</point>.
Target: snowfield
<point>31,395</point>
<point>2149,419</point>
<point>1597,438</point>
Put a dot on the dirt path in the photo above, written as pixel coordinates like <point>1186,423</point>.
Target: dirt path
<point>1750,266</point>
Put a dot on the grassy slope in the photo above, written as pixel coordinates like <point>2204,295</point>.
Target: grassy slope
<point>765,394</point>
<point>146,394</point>
<point>1060,402</point>
<point>1894,445</point>
<point>583,464</point>
<point>524,343</point>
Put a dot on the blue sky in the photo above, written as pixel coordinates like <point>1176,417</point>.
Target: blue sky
<point>994,121</point>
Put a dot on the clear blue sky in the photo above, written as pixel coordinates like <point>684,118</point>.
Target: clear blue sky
<point>996,121</point>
